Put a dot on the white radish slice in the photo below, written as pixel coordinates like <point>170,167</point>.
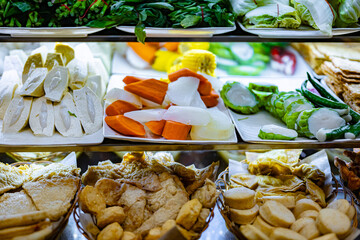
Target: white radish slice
<point>188,115</point>
<point>181,92</point>
<point>120,94</point>
<point>149,104</point>
<point>146,115</point>
<point>215,82</point>
<point>197,101</point>
<point>220,127</point>
<point>135,60</point>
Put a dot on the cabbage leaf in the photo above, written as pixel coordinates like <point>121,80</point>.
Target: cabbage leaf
<point>272,16</point>
<point>349,11</point>
<point>241,7</point>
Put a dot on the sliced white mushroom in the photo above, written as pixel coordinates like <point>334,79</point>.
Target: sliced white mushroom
<point>56,83</point>
<point>97,85</point>
<point>67,122</point>
<point>34,84</point>
<point>78,70</point>
<point>89,109</point>
<point>17,114</point>
<point>42,118</point>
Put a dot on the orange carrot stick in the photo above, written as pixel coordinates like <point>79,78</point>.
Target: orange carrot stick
<point>156,127</point>
<point>145,52</point>
<point>119,107</point>
<point>125,126</point>
<point>171,46</point>
<point>132,79</point>
<point>175,130</point>
<point>185,72</point>
<point>151,89</point>
<point>205,88</point>
<point>211,100</point>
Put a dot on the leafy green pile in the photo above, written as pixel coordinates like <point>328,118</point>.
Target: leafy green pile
<point>170,13</point>
<point>110,13</point>
<point>51,13</point>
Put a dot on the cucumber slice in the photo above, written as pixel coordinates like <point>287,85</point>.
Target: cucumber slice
<point>311,121</point>
<point>245,70</point>
<point>264,87</point>
<point>279,103</point>
<point>274,132</point>
<point>225,64</point>
<point>293,111</point>
<point>239,98</point>
<point>242,52</point>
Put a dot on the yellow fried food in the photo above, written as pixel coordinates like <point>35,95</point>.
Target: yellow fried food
<point>128,236</point>
<point>343,206</point>
<point>333,221</point>
<point>110,215</point>
<point>189,213</point>
<point>252,233</point>
<point>263,226</point>
<point>91,201</point>
<point>206,194</point>
<point>276,214</point>
<point>111,232</point>
<point>330,236</point>
<point>245,216</point>
<point>309,214</point>
<point>310,231</point>
<point>301,223</point>
<point>305,204</point>
<point>285,234</point>
<point>201,221</point>
<point>154,234</point>
<point>240,198</point>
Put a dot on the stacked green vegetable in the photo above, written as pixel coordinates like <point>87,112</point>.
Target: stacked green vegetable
<point>309,114</point>
<point>111,13</point>
<point>51,13</point>
<point>319,14</point>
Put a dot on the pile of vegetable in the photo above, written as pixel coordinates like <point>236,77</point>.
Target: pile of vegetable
<point>304,112</point>
<point>172,56</point>
<point>183,107</point>
<point>111,13</point>
<point>321,14</point>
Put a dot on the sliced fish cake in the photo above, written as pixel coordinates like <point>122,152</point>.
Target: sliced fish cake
<point>17,115</point>
<point>42,118</point>
<point>56,83</point>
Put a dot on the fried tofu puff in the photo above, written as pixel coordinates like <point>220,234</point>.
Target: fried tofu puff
<point>111,232</point>
<point>110,215</point>
<point>91,200</point>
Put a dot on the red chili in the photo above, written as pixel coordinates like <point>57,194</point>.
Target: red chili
<point>88,9</point>
<point>64,5</point>
<point>202,14</point>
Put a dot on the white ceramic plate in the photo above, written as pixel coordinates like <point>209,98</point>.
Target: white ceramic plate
<point>249,126</point>
<point>27,138</point>
<point>116,81</point>
<point>73,32</point>
<point>302,32</point>
<point>180,32</point>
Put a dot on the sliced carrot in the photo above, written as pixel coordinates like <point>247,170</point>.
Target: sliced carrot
<point>132,79</point>
<point>175,130</point>
<point>211,100</point>
<point>171,46</point>
<point>205,88</point>
<point>145,52</point>
<point>150,89</point>
<point>119,107</point>
<point>156,127</point>
<point>185,72</point>
<point>125,125</point>
<point>153,44</point>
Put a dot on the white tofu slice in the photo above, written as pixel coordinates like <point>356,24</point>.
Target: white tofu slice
<point>34,84</point>
<point>78,70</point>
<point>89,109</point>
<point>56,83</point>
<point>97,67</point>
<point>67,122</point>
<point>17,114</point>
<point>20,53</point>
<point>8,85</point>
<point>13,63</point>
<point>42,118</point>
<point>96,85</point>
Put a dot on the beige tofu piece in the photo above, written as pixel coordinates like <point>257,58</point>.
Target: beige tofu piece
<point>189,213</point>
<point>277,214</point>
<point>245,216</point>
<point>111,232</point>
<point>110,215</point>
<point>240,198</point>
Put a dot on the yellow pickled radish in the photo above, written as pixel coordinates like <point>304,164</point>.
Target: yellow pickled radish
<point>66,51</point>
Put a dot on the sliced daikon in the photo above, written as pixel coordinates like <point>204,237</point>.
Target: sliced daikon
<point>181,91</point>
<point>7,92</point>
<point>197,101</point>
<point>78,70</point>
<point>135,60</point>
<point>120,94</point>
<point>220,127</point>
<point>56,83</point>
<point>96,85</point>
<point>17,114</point>
<point>188,115</point>
<point>146,115</point>
<point>96,67</point>
<point>149,104</point>
<point>34,84</point>
<point>67,122</point>
<point>42,118</point>
<point>89,109</point>
<point>13,63</point>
